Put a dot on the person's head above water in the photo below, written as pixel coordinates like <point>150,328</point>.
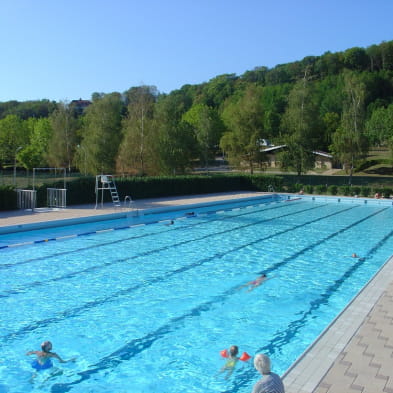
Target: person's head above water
<point>46,346</point>
<point>262,363</point>
<point>233,350</point>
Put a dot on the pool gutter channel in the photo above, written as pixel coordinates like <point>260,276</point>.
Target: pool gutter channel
<point>306,373</point>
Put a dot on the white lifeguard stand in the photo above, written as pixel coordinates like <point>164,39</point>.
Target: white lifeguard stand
<point>106,183</point>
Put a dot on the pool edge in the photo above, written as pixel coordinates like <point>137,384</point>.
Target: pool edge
<point>308,371</point>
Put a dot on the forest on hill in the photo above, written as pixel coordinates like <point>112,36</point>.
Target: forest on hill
<point>341,103</point>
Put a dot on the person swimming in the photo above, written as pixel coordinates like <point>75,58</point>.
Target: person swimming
<point>44,357</point>
<point>230,364</point>
<point>354,255</point>
<point>255,283</point>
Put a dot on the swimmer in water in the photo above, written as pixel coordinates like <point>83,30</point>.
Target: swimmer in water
<point>232,361</point>
<point>255,283</point>
<point>354,255</point>
<point>43,360</point>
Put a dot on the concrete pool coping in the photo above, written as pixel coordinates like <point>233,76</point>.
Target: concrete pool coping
<point>324,366</point>
<point>355,351</point>
<point>141,211</point>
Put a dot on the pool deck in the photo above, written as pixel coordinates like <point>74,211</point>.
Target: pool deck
<point>354,354</point>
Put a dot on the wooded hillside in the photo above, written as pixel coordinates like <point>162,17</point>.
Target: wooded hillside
<point>340,103</point>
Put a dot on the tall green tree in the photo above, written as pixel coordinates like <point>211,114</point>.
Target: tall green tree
<point>34,154</point>
<point>274,101</point>
<point>135,153</point>
<point>14,134</point>
<point>349,141</point>
<point>244,121</point>
<point>101,135</point>
<point>379,128</point>
<point>218,89</point>
<point>174,142</point>
<point>300,124</point>
<point>61,146</point>
<point>208,128</point>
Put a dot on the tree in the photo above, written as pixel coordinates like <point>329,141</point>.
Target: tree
<point>257,75</point>
<point>174,148</point>
<point>13,135</point>
<point>173,142</point>
<point>244,120</point>
<point>25,110</point>
<point>135,148</point>
<point>349,141</point>
<point>300,123</point>
<point>356,59</point>
<point>208,128</point>
<point>274,101</point>
<point>218,89</point>
<point>34,154</point>
<point>379,128</point>
<point>387,55</point>
<point>101,135</point>
<point>62,144</point>
<point>331,122</point>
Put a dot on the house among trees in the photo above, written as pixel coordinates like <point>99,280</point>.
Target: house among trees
<point>323,160</point>
<point>80,105</point>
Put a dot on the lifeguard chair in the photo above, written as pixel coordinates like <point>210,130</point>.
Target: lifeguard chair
<point>103,183</point>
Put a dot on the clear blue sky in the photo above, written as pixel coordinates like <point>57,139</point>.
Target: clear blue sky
<point>68,49</point>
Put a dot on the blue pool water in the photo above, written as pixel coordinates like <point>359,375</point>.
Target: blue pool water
<point>148,308</point>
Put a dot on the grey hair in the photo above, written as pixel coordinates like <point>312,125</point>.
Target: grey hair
<point>262,363</point>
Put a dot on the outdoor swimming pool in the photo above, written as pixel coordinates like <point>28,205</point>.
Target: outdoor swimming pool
<point>149,308</point>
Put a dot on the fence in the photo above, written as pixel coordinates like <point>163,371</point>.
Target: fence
<point>26,199</point>
<point>57,197</point>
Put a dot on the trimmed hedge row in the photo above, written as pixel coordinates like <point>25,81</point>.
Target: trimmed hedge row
<point>7,198</point>
<point>346,190</point>
<point>82,191</point>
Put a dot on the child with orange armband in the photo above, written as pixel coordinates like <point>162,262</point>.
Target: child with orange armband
<point>232,359</point>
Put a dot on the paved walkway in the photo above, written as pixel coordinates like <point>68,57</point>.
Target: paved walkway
<point>366,363</point>
<point>20,217</point>
<point>354,354</point>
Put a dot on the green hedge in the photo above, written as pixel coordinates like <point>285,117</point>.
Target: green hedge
<point>155,187</point>
<point>81,191</point>
<point>7,198</point>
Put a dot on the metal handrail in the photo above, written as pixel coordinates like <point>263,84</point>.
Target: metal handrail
<point>130,201</point>
<point>131,205</point>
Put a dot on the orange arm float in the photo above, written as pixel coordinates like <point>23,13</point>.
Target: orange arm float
<point>245,356</point>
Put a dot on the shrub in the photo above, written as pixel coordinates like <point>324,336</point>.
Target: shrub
<point>320,189</point>
<point>355,191</point>
<point>8,199</point>
<point>332,190</point>
<point>290,188</point>
<point>344,190</point>
<point>365,191</point>
<point>387,192</point>
<point>309,189</point>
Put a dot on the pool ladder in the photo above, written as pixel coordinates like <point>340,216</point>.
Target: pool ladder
<point>129,204</point>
